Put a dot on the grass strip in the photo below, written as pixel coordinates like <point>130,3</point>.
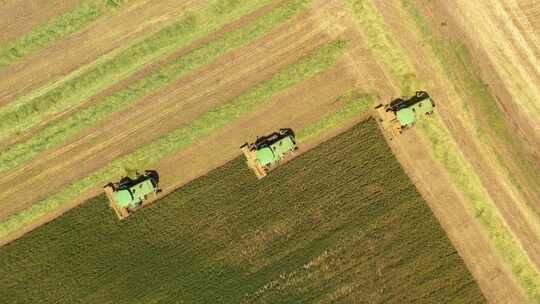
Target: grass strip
<point>456,63</point>
<point>380,39</point>
<point>455,60</point>
<point>463,176</point>
<point>342,223</point>
<point>60,130</point>
<point>306,67</point>
<point>27,111</point>
<point>55,29</point>
<point>355,104</point>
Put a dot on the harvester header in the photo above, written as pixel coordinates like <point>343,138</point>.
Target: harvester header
<point>129,194</point>
<point>404,112</point>
<point>268,151</point>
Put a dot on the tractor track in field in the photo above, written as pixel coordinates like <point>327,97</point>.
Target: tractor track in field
<point>450,208</point>
<point>236,71</point>
<point>61,58</point>
<point>18,17</point>
<point>510,203</point>
<point>160,113</point>
<point>507,57</point>
<point>320,92</point>
<point>147,70</point>
<point>136,76</point>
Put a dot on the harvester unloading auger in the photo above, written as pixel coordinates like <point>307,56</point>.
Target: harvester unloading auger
<point>268,151</point>
<point>403,113</point>
<point>129,194</point>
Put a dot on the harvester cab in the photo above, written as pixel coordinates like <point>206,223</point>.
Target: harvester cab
<point>129,195</point>
<point>403,113</point>
<point>268,151</point>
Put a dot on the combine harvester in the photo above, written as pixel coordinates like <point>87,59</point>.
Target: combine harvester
<point>268,151</point>
<point>402,114</point>
<point>128,195</point>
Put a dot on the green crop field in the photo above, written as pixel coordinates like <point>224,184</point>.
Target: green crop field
<point>203,125</point>
<point>360,234</point>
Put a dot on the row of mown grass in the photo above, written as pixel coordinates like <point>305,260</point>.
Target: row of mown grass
<point>456,63</point>
<point>306,67</point>
<point>60,130</point>
<point>55,29</point>
<point>27,111</point>
<point>444,149</point>
<point>360,234</point>
<point>461,173</point>
<point>389,52</point>
<point>354,105</point>
<point>490,120</point>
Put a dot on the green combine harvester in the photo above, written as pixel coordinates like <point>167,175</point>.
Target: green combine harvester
<point>128,195</point>
<point>404,113</point>
<point>268,151</point>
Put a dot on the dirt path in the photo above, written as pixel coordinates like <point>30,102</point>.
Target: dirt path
<point>508,200</point>
<point>20,16</point>
<point>507,51</point>
<point>296,107</point>
<point>157,114</point>
<point>509,93</point>
<point>514,205</point>
<point>84,47</point>
<point>450,208</point>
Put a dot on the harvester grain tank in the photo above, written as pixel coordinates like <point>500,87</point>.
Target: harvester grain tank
<point>268,151</point>
<point>404,113</point>
<point>129,194</point>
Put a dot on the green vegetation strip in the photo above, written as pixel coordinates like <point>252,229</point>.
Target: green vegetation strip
<point>456,62</point>
<point>355,104</point>
<point>360,234</point>
<point>203,125</point>
<point>60,130</point>
<point>55,29</point>
<point>380,39</point>
<point>27,111</point>
<point>462,174</point>
<point>444,149</point>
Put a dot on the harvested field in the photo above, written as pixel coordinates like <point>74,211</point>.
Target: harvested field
<point>361,233</point>
<point>73,20</point>
<point>179,85</point>
<point>35,12</point>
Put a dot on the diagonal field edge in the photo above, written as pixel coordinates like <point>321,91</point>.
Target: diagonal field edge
<point>361,233</point>
<point>60,130</point>
<point>306,67</point>
<point>394,60</point>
